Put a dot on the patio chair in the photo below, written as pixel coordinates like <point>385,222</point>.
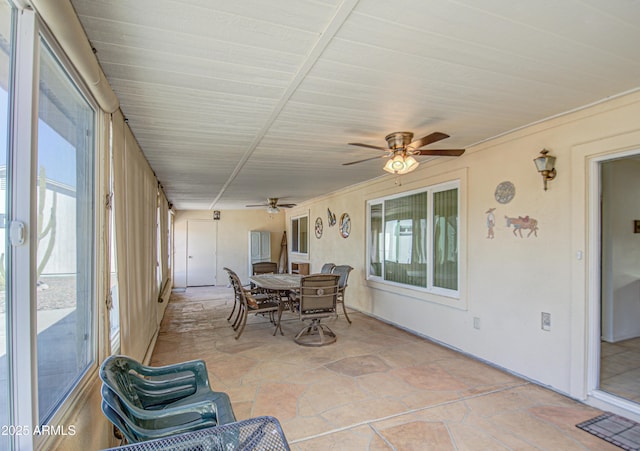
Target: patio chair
<point>343,271</point>
<point>131,429</point>
<point>236,300</point>
<point>317,299</point>
<point>250,302</point>
<point>153,402</point>
<point>264,268</point>
<point>327,268</point>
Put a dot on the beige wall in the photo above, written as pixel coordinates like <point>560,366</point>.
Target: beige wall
<point>232,240</point>
<point>508,281</point>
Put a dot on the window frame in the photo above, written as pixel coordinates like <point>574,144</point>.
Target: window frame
<point>43,35</point>
<point>295,240</point>
<point>380,281</point>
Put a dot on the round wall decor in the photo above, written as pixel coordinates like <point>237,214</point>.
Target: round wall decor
<point>505,192</point>
<point>345,225</point>
<point>318,227</point>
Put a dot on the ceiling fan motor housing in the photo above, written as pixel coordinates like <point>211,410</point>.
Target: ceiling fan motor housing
<point>399,140</point>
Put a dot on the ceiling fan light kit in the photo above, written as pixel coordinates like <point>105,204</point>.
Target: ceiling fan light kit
<point>401,164</point>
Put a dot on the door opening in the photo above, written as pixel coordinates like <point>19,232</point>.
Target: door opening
<point>619,362</point>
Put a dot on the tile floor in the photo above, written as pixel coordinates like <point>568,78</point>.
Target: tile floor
<point>376,388</point>
<point>620,368</point>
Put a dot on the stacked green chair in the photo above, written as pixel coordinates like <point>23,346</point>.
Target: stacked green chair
<point>146,402</point>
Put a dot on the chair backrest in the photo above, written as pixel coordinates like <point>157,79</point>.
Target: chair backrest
<point>318,295</point>
<point>327,268</point>
<point>264,267</point>
<point>343,271</point>
<point>243,296</point>
<point>234,280</point>
<point>116,373</point>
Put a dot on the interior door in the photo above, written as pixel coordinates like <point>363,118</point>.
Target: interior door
<point>201,253</point>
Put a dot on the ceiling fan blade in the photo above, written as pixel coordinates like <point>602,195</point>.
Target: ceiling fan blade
<point>286,205</point>
<point>369,146</point>
<point>366,159</point>
<point>441,152</point>
<point>433,137</point>
<point>257,205</point>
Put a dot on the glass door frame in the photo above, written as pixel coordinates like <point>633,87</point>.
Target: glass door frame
<point>22,283</point>
<point>597,397</point>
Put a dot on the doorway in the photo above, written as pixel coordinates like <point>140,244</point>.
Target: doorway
<point>619,363</point>
<point>201,253</point>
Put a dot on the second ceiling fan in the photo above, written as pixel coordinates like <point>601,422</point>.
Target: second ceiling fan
<point>272,205</point>
<point>402,148</point>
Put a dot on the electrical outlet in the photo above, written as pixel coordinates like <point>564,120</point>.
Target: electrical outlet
<point>546,321</point>
<point>476,322</point>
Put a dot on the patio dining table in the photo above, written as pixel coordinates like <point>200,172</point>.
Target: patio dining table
<point>278,286</point>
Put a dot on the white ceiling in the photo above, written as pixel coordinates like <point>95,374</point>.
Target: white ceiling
<point>236,101</point>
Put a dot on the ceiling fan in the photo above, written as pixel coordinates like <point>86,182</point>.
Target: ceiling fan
<point>402,148</point>
<point>272,205</point>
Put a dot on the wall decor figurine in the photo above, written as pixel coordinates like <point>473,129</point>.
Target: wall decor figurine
<point>331,218</point>
<point>491,222</point>
<point>523,222</point>
<point>318,228</point>
<point>345,225</point>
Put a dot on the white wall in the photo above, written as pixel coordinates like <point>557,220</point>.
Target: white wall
<point>232,248</point>
<point>63,256</point>
<point>508,281</point>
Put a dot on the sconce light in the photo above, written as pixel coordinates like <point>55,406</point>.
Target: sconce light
<point>545,165</point>
<point>216,215</point>
<point>401,164</point>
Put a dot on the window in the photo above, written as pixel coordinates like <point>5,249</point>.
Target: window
<point>66,229</point>
<point>300,235</point>
<point>413,239</point>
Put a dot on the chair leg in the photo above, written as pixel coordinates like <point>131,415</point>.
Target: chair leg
<point>241,313</point>
<point>278,325</point>
<point>315,334</point>
<point>235,302</point>
<point>344,309</point>
<point>243,323</point>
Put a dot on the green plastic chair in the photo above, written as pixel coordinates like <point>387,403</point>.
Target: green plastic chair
<point>132,430</point>
<point>159,401</point>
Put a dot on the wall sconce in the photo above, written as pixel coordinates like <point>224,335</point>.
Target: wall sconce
<point>545,165</point>
<point>216,215</point>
